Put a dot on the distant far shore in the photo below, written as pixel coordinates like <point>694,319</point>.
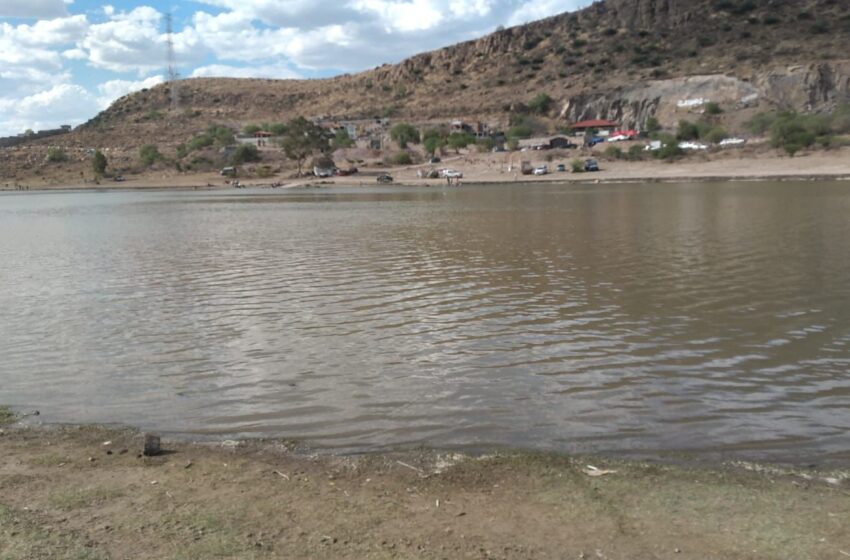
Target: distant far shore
<point>481,169</point>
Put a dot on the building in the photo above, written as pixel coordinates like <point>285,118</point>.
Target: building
<point>547,143</point>
<point>601,126</point>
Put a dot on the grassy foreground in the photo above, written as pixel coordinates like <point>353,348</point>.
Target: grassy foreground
<point>86,493</point>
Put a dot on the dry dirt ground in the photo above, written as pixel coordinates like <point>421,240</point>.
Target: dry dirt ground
<point>87,493</point>
<point>747,164</point>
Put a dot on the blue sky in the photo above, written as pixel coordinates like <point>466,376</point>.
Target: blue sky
<point>62,61</point>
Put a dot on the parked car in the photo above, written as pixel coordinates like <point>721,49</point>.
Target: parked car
<point>499,149</point>
<point>450,174</point>
<point>119,179</point>
<point>561,168</point>
<point>228,172</point>
<point>594,140</point>
<point>591,165</point>
<point>385,179</point>
<point>541,170</point>
<point>434,159</point>
<point>346,172</point>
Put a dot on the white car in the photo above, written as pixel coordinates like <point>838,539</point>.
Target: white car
<point>450,174</point>
<point>692,146</point>
<point>541,170</point>
<point>732,142</point>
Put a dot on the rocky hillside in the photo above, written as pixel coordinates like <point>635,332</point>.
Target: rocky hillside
<point>618,59</point>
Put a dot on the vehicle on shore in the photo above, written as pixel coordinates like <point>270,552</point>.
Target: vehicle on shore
<point>541,170</point>
<point>228,172</point>
<point>450,174</point>
<point>561,168</point>
<point>346,172</point>
<point>434,160</point>
<point>385,179</point>
<point>591,165</point>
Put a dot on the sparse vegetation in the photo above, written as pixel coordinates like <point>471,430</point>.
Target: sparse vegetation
<point>245,153</point>
<point>458,140</point>
<point>793,132</point>
<point>6,415</point>
<point>342,140</point>
<point>402,158</point>
<point>541,104</point>
<point>577,166</point>
<point>56,155</point>
<point>149,154</point>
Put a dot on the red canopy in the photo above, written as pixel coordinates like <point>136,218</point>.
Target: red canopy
<point>595,123</point>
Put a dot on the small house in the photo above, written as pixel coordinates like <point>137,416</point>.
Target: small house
<point>602,127</point>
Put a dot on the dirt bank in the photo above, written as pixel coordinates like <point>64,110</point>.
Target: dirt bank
<point>502,168</point>
<point>87,493</point>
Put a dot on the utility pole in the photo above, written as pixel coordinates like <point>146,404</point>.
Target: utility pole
<point>173,76</point>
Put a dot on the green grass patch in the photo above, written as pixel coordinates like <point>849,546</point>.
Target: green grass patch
<point>6,416</point>
<point>22,539</point>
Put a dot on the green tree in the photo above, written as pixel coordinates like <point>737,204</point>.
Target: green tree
<point>716,135</point>
<point>520,131</point>
<point>687,131</point>
<point>458,140</point>
<point>251,129</point>
<point>303,139</point>
<point>404,134</point>
<point>149,154</point>
<point>342,140</point>
<point>541,104</point>
<point>99,163</point>
<point>485,145</point>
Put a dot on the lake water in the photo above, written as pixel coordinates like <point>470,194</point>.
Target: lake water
<point>711,320</point>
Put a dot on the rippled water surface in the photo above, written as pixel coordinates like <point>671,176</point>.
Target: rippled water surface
<point>710,319</point>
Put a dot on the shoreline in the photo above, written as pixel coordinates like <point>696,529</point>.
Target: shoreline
<point>487,169</point>
<point>88,492</point>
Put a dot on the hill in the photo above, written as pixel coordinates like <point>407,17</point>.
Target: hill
<point>625,60</point>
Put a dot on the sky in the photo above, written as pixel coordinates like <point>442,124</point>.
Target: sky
<point>62,61</point>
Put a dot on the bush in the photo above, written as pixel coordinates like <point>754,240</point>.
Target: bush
<point>245,153</point>
<point>669,151</point>
<point>635,153</point>
<point>577,166</point>
<point>458,140</point>
<point>485,145</point>
<point>512,144</point>
<point>520,131</point>
<point>56,155</point>
<point>541,104</point>
<point>687,131</point>
<point>402,158</point>
<point>613,152</point>
<point>716,135</point>
<point>712,108</point>
<point>652,125</point>
<point>149,154</point>
<point>251,129</point>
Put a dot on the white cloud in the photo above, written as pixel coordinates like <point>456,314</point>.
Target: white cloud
<point>113,89</point>
<point>531,10</point>
<point>61,104</point>
<point>279,72</point>
<point>39,9</point>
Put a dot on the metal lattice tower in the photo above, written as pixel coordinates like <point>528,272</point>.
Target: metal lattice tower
<point>173,75</point>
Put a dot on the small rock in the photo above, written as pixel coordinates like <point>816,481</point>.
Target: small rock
<point>152,445</point>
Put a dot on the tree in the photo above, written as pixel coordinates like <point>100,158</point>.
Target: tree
<point>251,129</point>
<point>149,154</point>
<point>404,134</point>
<point>342,140</point>
<point>303,139</point>
<point>433,143</point>
<point>99,163</point>
<point>458,140</point>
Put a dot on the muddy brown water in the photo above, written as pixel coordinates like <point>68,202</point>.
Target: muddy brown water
<point>711,320</point>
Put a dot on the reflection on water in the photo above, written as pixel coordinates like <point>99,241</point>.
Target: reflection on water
<point>712,319</point>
